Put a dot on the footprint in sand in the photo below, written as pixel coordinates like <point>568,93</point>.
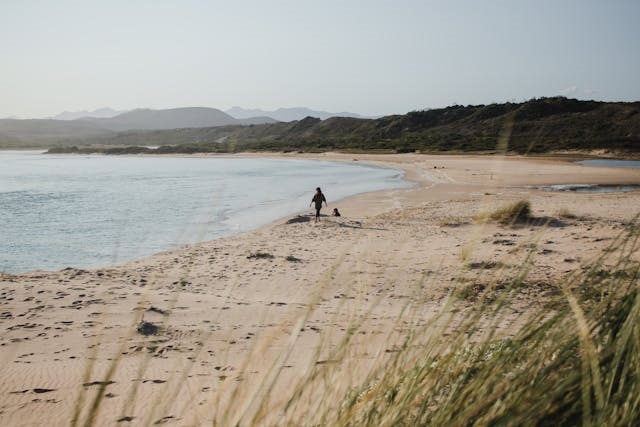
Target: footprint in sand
<point>154,381</point>
<point>100,383</point>
<point>34,390</point>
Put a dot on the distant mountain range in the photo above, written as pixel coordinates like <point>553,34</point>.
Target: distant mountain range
<point>281,114</point>
<point>175,118</point>
<point>100,112</point>
<point>38,132</point>
<point>288,114</point>
<point>105,122</point>
<point>29,133</point>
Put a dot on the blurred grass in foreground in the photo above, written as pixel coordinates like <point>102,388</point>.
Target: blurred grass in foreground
<point>575,362</point>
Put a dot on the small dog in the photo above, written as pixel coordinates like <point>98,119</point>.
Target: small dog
<point>336,212</point>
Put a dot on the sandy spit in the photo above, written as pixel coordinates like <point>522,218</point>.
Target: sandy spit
<point>243,320</point>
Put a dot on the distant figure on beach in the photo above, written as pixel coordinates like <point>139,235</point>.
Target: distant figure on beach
<point>318,198</point>
<point>336,212</point>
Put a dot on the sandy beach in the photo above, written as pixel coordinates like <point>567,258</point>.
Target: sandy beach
<point>243,321</point>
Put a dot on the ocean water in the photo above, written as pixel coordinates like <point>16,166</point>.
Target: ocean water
<point>88,211</point>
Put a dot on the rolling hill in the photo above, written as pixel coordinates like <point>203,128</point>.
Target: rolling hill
<point>16,133</point>
<point>287,114</point>
<point>175,118</point>
<point>100,112</point>
<point>536,126</point>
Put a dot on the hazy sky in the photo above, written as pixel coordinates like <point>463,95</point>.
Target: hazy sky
<point>369,57</point>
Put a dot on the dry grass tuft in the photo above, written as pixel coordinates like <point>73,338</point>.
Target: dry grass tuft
<point>575,360</point>
<point>566,214</point>
<point>518,212</point>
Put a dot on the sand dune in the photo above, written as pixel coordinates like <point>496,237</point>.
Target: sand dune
<point>244,320</point>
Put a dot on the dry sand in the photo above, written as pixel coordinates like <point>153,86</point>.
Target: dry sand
<point>255,314</point>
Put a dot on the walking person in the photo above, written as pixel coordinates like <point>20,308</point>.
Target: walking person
<point>318,198</point>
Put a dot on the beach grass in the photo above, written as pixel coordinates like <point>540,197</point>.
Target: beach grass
<point>514,213</point>
<point>574,361</point>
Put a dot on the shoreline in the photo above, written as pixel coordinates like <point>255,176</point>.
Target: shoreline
<point>402,162</point>
<point>231,233</point>
<point>272,305</point>
<point>411,174</point>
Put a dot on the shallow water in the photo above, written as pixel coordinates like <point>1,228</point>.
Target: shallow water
<point>87,211</point>
<point>612,163</point>
<point>589,188</point>
<point>597,188</point>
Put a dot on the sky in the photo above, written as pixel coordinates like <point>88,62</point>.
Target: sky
<point>372,57</point>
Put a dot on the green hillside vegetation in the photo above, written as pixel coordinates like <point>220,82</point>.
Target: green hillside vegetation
<point>536,126</point>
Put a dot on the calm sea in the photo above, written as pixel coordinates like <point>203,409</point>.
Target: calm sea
<point>88,211</point>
